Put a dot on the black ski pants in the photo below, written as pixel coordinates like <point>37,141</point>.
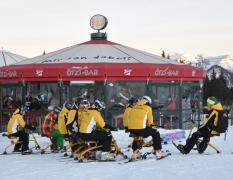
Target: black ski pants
<point>101,137</point>
<point>24,137</point>
<point>149,132</point>
<point>202,132</point>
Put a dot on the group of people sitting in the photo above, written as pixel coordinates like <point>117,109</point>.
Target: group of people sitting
<point>83,119</point>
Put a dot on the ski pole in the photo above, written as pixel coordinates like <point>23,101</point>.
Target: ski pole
<point>12,143</point>
<point>214,148</point>
<point>46,148</point>
<point>35,141</point>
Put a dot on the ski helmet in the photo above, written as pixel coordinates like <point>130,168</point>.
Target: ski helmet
<point>148,99</point>
<point>211,101</point>
<point>57,109</point>
<point>23,108</point>
<point>100,105</point>
<point>85,103</point>
<point>132,101</point>
<point>68,105</point>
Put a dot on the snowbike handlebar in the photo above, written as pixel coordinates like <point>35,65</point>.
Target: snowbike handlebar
<point>5,135</point>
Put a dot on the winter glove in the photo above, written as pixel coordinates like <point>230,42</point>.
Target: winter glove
<point>74,136</point>
<point>126,129</point>
<point>7,135</point>
<point>154,126</point>
<point>111,128</point>
<point>32,128</point>
<point>70,129</point>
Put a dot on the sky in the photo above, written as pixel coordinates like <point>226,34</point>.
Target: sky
<point>28,27</point>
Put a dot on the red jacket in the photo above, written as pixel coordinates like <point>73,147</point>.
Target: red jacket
<point>48,125</point>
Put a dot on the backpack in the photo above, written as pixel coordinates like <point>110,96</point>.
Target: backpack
<point>222,122</point>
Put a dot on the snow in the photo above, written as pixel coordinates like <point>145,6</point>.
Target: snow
<point>54,166</point>
<point>224,61</point>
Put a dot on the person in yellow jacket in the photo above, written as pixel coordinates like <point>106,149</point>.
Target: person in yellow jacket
<point>131,102</point>
<point>74,119</point>
<point>207,129</point>
<point>75,114</point>
<point>141,124</point>
<point>92,129</point>
<point>62,119</point>
<point>15,128</point>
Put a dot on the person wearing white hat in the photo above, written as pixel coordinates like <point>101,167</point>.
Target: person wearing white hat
<point>141,124</point>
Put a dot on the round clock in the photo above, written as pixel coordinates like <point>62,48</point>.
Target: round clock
<point>98,22</point>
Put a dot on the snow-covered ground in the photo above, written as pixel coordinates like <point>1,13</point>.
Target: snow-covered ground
<point>54,166</point>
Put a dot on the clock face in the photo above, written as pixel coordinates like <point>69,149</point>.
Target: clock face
<point>98,22</point>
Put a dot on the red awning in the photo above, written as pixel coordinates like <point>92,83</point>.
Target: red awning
<point>99,60</point>
<point>99,71</point>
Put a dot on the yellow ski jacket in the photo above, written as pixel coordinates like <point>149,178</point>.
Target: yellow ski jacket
<point>72,121</point>
<point>141,116</point>
<point>62,120</point>
<point>90,119</point>
<point>126,116</point>
<point>213,117</point>
<point>15,123</point>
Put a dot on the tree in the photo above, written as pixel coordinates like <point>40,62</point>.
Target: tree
<point>217,87</point>
<point>182,60</point>
<point>163,54</point>
<point>201,61</point>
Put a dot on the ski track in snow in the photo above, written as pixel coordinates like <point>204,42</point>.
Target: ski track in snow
<point>54,166</point>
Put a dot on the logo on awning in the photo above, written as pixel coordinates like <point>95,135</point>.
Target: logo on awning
<point>82,71</point>
<point>6,74</point>
<point>166,72</point>
<point>127,72</point>
<point>193,73</point>
<point>39,73</point>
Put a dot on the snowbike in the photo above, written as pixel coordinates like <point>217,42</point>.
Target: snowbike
<point>14,142</point>
<point>201,144</point>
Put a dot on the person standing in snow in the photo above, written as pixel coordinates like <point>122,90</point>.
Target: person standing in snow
<point>141,124</point>
<point>207,129</point>
<point>15,128</point>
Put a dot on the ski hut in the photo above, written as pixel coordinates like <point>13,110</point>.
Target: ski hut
<point>106,70</point>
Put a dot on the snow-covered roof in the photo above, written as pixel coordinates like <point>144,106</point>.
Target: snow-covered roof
<point>7,58</point>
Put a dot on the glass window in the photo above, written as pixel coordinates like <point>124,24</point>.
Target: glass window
<point>64,93</point>
<point>190,105</point>
<point>165,100</point>
<point>119,91</point>
<point>90,89</point>
<point>11,97</point>
<point>116,97</point>
<point>41,95</point>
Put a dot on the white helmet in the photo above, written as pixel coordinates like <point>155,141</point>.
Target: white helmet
<point>50,108</point>
<point>148,99</point>
<point>99,105</point>
<point>85,103</point>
